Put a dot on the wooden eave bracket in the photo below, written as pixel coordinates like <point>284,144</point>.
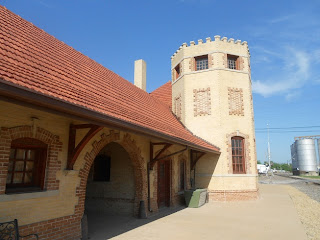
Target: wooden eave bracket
<point>153,160</point>
<point>195,156</point>
<point>73,150</point>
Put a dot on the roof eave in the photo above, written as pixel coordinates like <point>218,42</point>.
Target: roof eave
<point>25,96</point>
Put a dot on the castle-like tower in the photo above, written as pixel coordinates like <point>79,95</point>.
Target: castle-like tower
<point>212,96</point>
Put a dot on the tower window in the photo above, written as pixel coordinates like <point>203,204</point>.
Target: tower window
<point>201,62</point>
<point>233,62</point>
<point>238,161</point>
<point>177,71</point>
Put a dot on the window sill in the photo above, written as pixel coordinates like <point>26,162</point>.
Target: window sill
<point>30,195</point>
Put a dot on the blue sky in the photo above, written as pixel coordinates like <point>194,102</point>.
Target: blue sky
<point>283,37</point>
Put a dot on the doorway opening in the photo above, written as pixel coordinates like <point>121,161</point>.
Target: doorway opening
<point>164,183</point>
<point>110,192</point>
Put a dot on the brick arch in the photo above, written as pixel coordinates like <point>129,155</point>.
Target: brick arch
<point>247,151</point>
<point>7,135</point>
<point>137,160</point>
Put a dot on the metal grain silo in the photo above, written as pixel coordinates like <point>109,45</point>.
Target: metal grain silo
<point>319,150</point>
<point>294,159</point>
<point>306,156</point>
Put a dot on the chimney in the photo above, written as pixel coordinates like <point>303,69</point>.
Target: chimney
<point>140,74</point>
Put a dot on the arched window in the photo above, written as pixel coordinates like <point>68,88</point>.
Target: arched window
<point>238,157</point>
<point>27,163</point>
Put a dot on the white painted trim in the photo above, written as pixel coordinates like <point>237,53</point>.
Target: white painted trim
<point>209,70</point>
<point>25,196</point>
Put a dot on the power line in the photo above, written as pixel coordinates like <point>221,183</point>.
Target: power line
<point>278,128</point>
<point>286,131</point>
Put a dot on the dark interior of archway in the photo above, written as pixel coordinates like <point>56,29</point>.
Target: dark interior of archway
<point>110,186</point>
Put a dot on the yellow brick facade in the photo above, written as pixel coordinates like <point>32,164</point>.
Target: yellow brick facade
<point>229,89</point>
<point>67,201</point>
<point>204,104</point>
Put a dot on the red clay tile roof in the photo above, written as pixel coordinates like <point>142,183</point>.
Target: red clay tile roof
<point>164,94</point>
<point>32,59</point>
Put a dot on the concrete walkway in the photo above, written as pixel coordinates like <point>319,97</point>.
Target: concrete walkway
<point>273,216</point>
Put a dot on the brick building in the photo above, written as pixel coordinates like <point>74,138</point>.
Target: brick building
<point>76,137</point>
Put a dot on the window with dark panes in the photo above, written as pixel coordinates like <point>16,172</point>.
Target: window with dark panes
<point>238,161</point>
<point>177,71</point>
<point>27,162</point>
<point>233,62</point>
<point>101,171</point>
<point>182,175</point>
<point>201,62</point>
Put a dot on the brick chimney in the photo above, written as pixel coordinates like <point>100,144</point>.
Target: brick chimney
<point>140,74</point>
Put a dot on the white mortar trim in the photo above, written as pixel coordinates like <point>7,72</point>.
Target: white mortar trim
<point>198,55</point>
<point>225,175</point>
<point>25,196</point>
<point>208,70</point>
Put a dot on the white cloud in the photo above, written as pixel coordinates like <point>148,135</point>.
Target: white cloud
<point>293,95</point>
<point>282,19</point>
<point>293,75</point>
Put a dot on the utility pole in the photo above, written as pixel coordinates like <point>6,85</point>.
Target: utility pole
<point>269,172</point>
<point>269,151</point>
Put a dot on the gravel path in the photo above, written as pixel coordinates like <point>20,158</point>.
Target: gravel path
<point>308,210</point>
<point>306,198</point>
<point>312,190</point>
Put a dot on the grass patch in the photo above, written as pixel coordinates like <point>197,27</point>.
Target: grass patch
<point>315,177</point>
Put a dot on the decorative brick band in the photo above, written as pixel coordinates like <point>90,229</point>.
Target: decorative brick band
<point>7,135</point>
<point>192,64</point>
<point>236,106</point>
<point>210,61</point>
<point>241,63</point>
<point>178,106</point>
<point>233,195</point>
<point>202,102</point>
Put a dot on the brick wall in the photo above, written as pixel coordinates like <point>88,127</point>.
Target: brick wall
<point>67,227</point>
<point>134,152</point>
<point>233,195</point>
<point>7,135</point>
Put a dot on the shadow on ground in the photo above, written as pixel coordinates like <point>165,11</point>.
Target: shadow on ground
<point>105,226</point>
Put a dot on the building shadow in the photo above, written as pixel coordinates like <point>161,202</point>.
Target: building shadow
<point>105,226</point>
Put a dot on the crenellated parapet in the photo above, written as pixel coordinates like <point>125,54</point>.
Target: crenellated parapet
<point>220,53</point>
<point>208,40</point>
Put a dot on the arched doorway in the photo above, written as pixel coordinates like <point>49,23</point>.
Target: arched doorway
<point>103,144</point>
<point>111,183</point>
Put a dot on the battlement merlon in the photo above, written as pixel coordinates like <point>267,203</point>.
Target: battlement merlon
<point>223,45</point>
